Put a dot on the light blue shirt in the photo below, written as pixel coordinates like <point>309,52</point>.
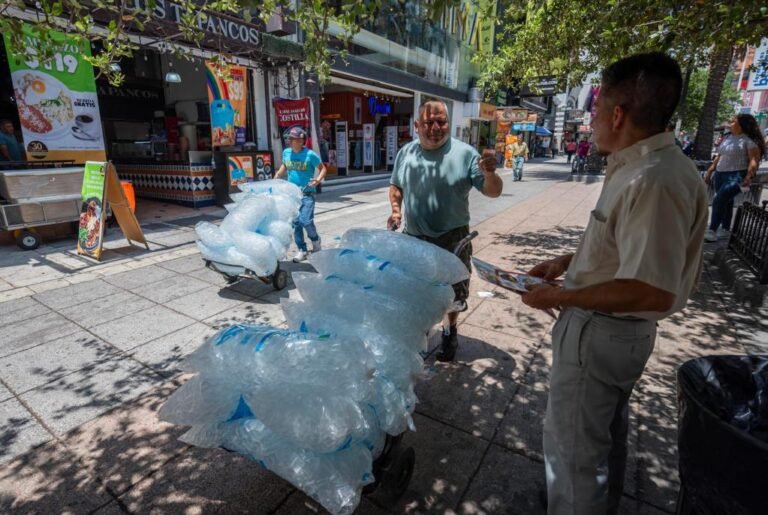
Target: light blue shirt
<point>14,148</point>
<point>301,166</point>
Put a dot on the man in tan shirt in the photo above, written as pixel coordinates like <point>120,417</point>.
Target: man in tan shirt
<point>637,262</point>
<point>519,150</point>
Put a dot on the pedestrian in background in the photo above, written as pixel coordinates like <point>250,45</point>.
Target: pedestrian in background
<point>519,157</point>
<point>638,261</point>
<point>306,170</point>
<point>553,147</point>
<point>429,191</point>
<point>570,149</point>
<point>10,148</point>
<point>735,165</point>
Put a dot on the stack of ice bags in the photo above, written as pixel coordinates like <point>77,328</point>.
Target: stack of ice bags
<point>257,231</point>
<point>313,402</point>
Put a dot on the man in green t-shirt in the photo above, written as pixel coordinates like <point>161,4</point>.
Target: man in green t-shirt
<point>430,186</point>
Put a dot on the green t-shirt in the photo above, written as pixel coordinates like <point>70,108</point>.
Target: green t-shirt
<point>436,185</point>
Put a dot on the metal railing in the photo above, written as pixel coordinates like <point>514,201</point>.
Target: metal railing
<point>749,238</point>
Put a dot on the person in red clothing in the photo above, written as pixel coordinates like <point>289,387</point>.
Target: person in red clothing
<point>570,149</point>
<point>583,148</point>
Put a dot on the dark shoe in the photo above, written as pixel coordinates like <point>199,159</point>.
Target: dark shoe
<point>449,346</point>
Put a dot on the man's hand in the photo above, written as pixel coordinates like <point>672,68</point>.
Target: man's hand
<point>488,163</point>
<point>552,269</point>
<point>747,182</point>
<point>394,221</point>
<point>542,296</point>
<point>313,183</point>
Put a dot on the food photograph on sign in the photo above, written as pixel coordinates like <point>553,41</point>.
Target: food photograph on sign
<point>90,224</point>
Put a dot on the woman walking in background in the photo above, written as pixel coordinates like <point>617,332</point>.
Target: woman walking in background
<point>734,167</point>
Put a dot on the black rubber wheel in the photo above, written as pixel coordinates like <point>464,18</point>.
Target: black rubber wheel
<point>28,240</point>
<point>280,279</point>
<point>396,477</point>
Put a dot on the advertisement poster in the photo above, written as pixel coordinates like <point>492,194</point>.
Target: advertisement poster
<point>391,145</point>
<point>293,113</point>
<point>240,169</point>
<point>263,166</point>
<point>226,95</point>
<point>341,146</point>
<point>91,225</point>
<point>57,102</point>
<point>368,129</point>
<point>758,77</point>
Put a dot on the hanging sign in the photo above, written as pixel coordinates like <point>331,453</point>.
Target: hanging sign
<point>293,113</point>
<point>341,146</point>
<point>368,130</point>
<point>57,102</point>
<point>226,94</point>
<point>758,77</point>
<point>391,145</point>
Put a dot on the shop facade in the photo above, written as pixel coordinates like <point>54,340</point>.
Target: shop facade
<point>179,125</point>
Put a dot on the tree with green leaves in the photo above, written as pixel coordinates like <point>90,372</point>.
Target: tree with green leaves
<point>111,23</point>
<point>730,98</point>
<point>569,39</point>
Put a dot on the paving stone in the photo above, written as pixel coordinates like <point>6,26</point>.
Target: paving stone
<point>144,276</point>
<point>166,353</point>
<point>184,264</point>
<point>5,394</point>
<point>34,331</point>
<point>140,327</point>
<point>521,430</point>
<point>491,351</point>
<point>175,240</point>
<point>207,302</point>
<point>300,504</point>
<point>105,309</point>
<point>471,400</point>
<point>19,431</point>
<point>76,294</point>
<point>513,318</point>
<point>15,294</point>
<point>445,461</point>
<point>205,481</point>
<point>49,480</point>
<point>506,483</point>
<point>52,360</point>
<point>209,276</point>
<point>249,312</point>
<point>74,399</point>
<point>32,310</point>
<point>171,288</point>
<point>128,444</point>
<point>10,306</point>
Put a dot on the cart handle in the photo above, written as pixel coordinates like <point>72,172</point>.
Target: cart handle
<point>464,242</point>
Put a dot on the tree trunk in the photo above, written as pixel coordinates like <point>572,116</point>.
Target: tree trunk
<point>681,108</point>
<point>718,69</point>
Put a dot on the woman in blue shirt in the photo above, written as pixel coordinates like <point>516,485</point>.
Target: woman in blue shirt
<point>301,164</point>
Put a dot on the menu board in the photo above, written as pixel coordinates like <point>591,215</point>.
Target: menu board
<point>91,225</point>
<point>57,102</point>
<point>226,94</point>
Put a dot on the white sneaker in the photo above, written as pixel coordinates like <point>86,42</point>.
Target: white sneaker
<point>316,246</point>
<point>300,256</point>
<point>723,234</point>
<point>710,236</point>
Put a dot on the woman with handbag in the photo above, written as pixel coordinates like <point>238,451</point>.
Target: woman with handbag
<point>734,167</point>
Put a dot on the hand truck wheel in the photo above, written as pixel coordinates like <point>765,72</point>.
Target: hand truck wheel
<point>280,279</point>
<point>27,240</point>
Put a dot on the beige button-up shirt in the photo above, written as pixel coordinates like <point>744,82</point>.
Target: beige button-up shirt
<point>648,224</point>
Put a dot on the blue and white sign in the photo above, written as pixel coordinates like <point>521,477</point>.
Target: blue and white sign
<point>368,130</point>
<point>758,77</point>
<point>524,127</point>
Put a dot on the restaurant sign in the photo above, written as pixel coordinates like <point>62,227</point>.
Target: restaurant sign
<point>236,30</point>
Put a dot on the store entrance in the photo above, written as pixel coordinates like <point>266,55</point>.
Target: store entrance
<point>361,130</point>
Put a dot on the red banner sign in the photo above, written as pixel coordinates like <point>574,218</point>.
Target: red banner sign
<point>294,113</point>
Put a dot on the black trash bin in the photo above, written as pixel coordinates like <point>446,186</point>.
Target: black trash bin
<point>723,435</point>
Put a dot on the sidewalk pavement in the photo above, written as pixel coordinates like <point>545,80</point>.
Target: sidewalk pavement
<point>113,343</point>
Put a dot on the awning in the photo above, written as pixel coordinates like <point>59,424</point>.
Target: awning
<point>543,131</point>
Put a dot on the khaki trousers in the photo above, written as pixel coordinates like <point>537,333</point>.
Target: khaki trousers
<point>597,359</point>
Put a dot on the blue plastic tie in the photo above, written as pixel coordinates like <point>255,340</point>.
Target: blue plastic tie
<point>229,332</point>
<point>384,265</point>
<point>264,339</point>
<point>345,252</point>
<point>303,327</point>
<point>242,410</point>
<point>347,443</point>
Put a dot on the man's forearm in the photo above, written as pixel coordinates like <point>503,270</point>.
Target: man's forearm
<point>618,296</point>
<point>395,198</point>
<point>492,185</point>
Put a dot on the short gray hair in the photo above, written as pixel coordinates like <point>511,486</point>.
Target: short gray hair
<point>434,101</point>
